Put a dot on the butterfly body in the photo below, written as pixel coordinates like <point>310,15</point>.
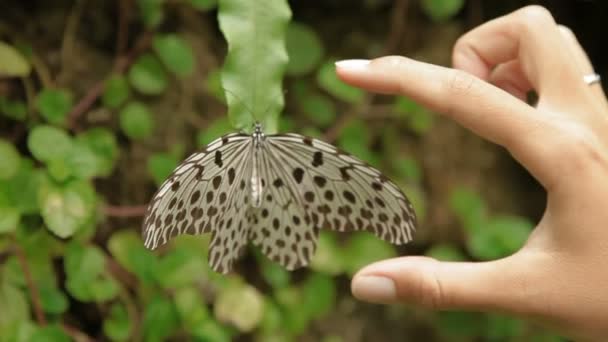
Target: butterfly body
<point>276,191</point>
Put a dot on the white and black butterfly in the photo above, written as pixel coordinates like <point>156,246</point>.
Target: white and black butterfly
<point>277,191</point>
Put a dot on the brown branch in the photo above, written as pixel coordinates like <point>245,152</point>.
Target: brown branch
<point>125,211</point>
<point>121,64</point>
<point>124,11</point>
<point>31,285</point>
<point>76,334</point>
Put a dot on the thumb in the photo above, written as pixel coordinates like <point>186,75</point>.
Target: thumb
<point>494,285</point>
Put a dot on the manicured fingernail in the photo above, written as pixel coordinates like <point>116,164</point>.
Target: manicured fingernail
<point>374,288</point>
<point>353,64</point>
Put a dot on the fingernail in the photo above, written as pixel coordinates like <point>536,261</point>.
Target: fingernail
<point>374,289</point>
<point>353,64</point>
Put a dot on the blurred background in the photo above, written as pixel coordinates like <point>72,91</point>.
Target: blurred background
<point>100,100</point>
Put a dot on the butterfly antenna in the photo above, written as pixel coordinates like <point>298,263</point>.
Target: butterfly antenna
<point>227,91</point>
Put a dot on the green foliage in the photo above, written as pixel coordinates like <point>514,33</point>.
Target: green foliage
<point>48,143</point>
<point>63,191</point>
<point>54,105</point>
<point>251,75</point>
<point>160,166</point>
<point>13,109</point>
<point>66,207</point>
<point>328,81</point>
<point>10,160</point>
<point>116,91</point>
<point>12,62</point>
<point>136,121</point>
<point>216,129</point>
<point>148,76</point>
<point>151,12</point>
<point>441,10</point>
<point>304,49</point>
<point>175,53</point>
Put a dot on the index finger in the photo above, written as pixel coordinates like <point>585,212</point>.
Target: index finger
<point>477,105</point>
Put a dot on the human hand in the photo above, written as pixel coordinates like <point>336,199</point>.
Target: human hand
<point>560,276</point>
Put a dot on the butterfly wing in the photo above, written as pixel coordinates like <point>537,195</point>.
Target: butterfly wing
<point>206,193</point>
<point>341,192</point>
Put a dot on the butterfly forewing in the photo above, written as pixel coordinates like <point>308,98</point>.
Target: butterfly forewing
<point>305,184</point>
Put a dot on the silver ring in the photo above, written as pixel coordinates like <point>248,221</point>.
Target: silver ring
<point>592,78</point>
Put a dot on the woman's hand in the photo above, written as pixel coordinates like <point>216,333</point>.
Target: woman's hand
<point>561,275</point>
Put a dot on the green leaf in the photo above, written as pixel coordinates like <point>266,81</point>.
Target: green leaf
<point>54,105</point>
<point>319,295</point>
<point>22,188</point>
<point>240,305</point>
<point>127,248</point>
<point>215,130</point>
<point>179,268</point>
<point>213,85</point>
<point>256,60</point>
<point>67,207</point>
<point>147,75</point>
<point>116,91</point>
<point>136,121</point>
<point>21,331</point>
<point>320,109</point>
<point>409,169</point>
<point>82,262</point>
<point>274,274</point>
<point>102,142</point>
<point>47,143</point>
<point>13,298</point>
<point>151,12</point>
<point>364,248</point>
<point>204,5</point>
<point>211,331</point>
<point>50,333</point>
<point>445,252</point>
<point>10,160</point>
<point>441,10</point>
<point>82,162</point>
<point>418,118</point>
<point>327,258</point>
<point>470,209</point>
<point>160,319</point>
<point>117,326</point>
<point>500,236</point>
<point>327,80</point>
<point>9,218</point>
<point>160,166</point>
<point>53,301</point>
<point>12,62</point>
<point>304,49</point>
<point>16,110</point>
<point>176,53</point>
<point>457,324</point>
<point>501,327</point>
<point>191,307</point>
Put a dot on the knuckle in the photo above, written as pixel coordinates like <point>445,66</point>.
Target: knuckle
<point>429,291</point>
<point>580,149</point>
<point>458,83</point>
<point>392,62</point>
<point>535,17</point>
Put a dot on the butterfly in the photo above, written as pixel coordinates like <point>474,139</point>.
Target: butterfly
<point>276,191</point>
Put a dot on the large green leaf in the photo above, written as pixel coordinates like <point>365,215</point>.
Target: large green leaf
<point>10,159</point>
<point>12,63</point>
<point>256,60</point>
<point>65,208</point>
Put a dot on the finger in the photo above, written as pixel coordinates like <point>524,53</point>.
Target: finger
<point>510,78</point>
<point>531,36</point>
<point>477,105</point>
<point>581,59</point>
<point>495,285</point>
